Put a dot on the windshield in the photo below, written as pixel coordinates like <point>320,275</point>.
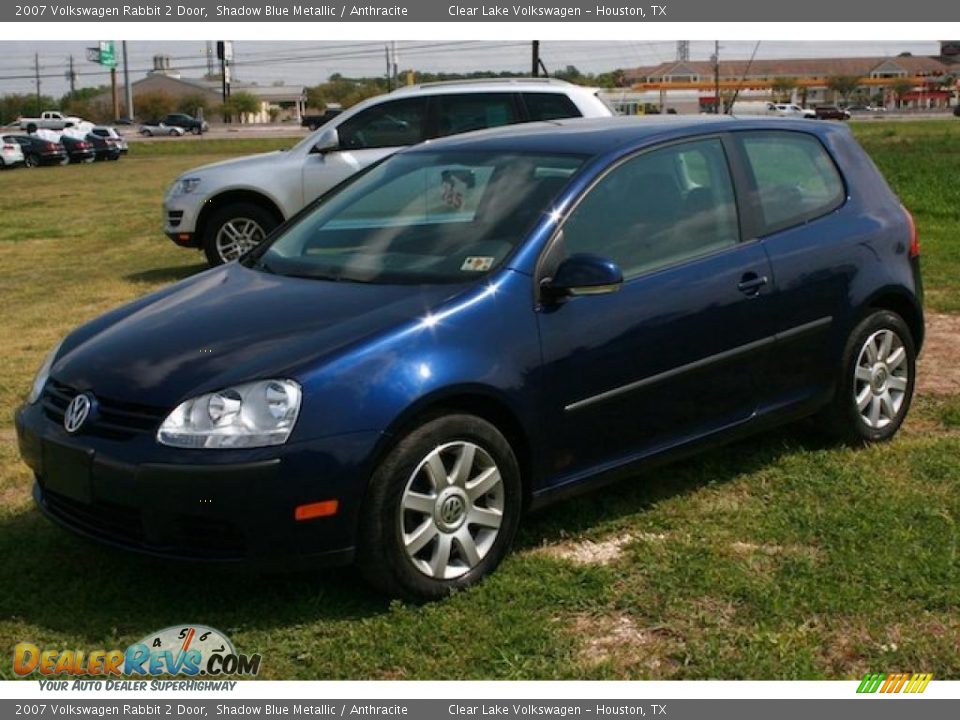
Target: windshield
<point>425,217</point>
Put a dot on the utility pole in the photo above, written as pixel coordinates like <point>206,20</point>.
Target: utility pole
<point>386,52</point>
<point>36,73</point>
<point>127,90</point>
<point>535,58</point>
<point>72,77</point>
<point>716,75</point>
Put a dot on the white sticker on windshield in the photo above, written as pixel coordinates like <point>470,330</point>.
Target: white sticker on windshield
<point>477,264</point>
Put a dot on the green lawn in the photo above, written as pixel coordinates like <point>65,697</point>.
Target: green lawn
<point>778,557</point>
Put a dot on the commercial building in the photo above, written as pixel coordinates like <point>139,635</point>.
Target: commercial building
<point>277,101</point>
<point>901,82</point>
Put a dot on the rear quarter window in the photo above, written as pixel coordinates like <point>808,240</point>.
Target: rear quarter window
<point>795,178</point>
<point>550,106</point>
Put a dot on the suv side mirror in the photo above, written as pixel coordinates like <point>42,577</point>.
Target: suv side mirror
<point>583,274</point>
<point>327,141</point>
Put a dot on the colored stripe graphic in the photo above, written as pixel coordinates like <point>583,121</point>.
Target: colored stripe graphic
<point>894,683</point>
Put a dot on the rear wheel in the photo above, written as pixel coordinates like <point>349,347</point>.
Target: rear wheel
<point>195,130</point>
<point>234,229</point>
<point>876,388</point>
<point>442,509</point>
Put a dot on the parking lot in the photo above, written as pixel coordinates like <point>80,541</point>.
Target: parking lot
<point>778,557</point>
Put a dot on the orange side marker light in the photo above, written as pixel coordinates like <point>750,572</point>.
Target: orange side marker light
<point>324,508</point>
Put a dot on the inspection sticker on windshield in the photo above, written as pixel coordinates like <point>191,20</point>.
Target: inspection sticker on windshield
<point>477,264</point>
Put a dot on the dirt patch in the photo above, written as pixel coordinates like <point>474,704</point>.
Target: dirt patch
<point>8,435</point>
<point>633,650</point>
<point>938,372</point>
<point>599,552</point>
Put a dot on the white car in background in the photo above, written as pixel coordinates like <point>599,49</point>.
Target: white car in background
<point>11,154</point>
<point>227,208</point>
<point>793,110</point>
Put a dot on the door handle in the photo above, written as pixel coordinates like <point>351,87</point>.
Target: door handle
<point>751,283</point>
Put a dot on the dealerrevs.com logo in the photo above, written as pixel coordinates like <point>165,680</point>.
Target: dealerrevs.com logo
<point>191,650</point>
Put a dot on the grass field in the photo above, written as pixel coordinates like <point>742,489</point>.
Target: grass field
<point>778,557</point>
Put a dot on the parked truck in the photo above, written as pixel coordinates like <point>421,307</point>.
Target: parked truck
<point>49,120</point>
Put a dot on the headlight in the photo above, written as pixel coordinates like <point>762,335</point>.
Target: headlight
<point>185,186</point>
<point>254,414</point>
<point>43,374</point>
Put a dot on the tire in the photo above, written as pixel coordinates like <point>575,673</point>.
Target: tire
<point>31,160</point>
<point>195,130</point>
<point>877,382</point>
<point>409,520</point>
<point>234,229</point>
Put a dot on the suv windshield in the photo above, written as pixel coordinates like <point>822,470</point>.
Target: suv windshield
<point>424,217</point>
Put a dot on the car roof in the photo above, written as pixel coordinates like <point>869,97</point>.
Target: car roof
<point>597,136</point>
<point>492,85</point>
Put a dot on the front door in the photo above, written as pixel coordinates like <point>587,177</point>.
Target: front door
<point>365,138</point>
<point>676,352</point>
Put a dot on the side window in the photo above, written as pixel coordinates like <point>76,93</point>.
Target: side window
<point>474,111</point>
<point>389,124</point>
<point>550,106</point>
<point>658,209</point>
<point>795,178</point>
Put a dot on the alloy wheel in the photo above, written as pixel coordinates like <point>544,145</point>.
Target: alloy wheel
<point>451,510</point>
<point>881,378</point>
<point>237,236</point>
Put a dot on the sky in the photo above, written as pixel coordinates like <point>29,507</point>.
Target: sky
<point>309,63</point>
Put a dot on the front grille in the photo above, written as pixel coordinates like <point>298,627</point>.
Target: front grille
<point>208,537</point>
<point>112,522</point>
<point>174,217</point>
<point>186,536</point>
<point>115,420</point>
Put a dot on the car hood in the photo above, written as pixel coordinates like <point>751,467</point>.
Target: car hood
<point>229,325</point>
<point>238,163</point>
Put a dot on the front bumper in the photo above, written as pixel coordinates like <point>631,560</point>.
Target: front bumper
<point>180,221</point>
<point>234,506</point>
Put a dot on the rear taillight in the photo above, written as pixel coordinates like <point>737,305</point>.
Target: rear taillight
<point>52,147</point>
<point>914,237</point>
<point>8,147</point>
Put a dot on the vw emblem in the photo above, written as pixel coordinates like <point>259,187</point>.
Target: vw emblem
<point>451,509</point>
<point>77,413</point>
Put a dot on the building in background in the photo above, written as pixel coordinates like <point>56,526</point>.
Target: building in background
<point>277,102</point>
<point>902,82</point>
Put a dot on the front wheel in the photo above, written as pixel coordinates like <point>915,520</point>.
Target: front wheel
<point>31,160</point>
<point>235,229</point>
<point>195,130</point>
<point>442,509</point>
<point>876,388</point>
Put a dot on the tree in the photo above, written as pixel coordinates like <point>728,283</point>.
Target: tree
<point>17,105</point>
<point>154,105</point>
<point>195,104</point>
<point>843,85</point>
<point>240,104</point>
<point>570,74</point>
<point>900,88</point>
<point>783,88</point>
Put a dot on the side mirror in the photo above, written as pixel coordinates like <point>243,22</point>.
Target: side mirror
<point>327,141</point>
<point>583,274</point>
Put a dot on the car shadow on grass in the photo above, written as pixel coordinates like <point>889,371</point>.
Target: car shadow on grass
<point>166,274</point>
<point>70,585</point>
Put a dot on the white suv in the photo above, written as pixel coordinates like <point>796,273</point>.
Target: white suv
<point>229,207</point>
